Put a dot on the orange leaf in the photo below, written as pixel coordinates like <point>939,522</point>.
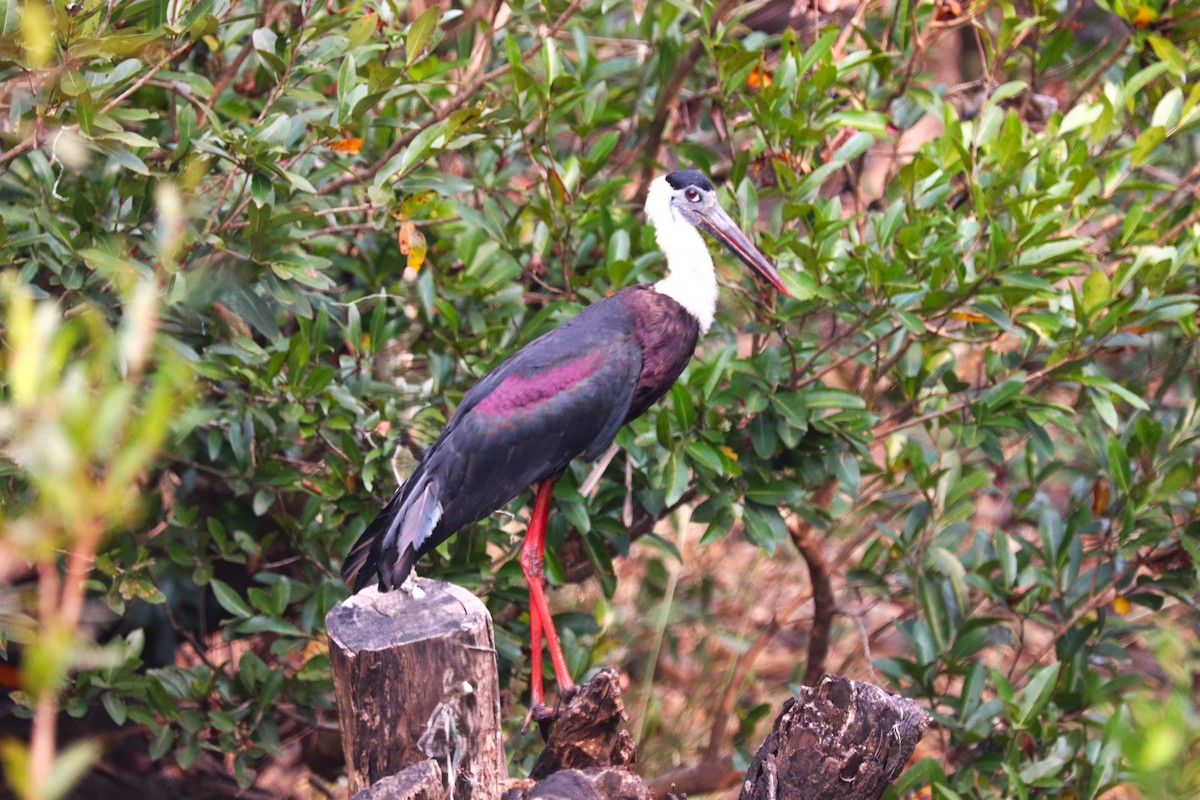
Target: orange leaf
<point>412,244</point>
<point>947,10</point>
<point>1100,496</point>
<point>758,78</point>
<point>349,145</point>
<point>1143,16</point>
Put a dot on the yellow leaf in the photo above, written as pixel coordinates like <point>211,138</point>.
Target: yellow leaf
<point>412,244</point>
<point>317,647</point>
<point>37,34</point>
<point>969,316</point>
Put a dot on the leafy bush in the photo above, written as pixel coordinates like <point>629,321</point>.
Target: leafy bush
<point>1008,316</point>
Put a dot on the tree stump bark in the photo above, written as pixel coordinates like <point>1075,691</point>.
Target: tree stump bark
<point>415,679</point>
<point>587,756</point>
<point>421,781</point>
<point>839,740</point>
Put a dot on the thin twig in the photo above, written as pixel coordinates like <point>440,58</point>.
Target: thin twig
<point>148,76</point>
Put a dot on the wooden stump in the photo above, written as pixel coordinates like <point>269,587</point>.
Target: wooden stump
<point>415,679</point>
<point>839,740</point>
<point>421,781</point>
<point>587,755</point>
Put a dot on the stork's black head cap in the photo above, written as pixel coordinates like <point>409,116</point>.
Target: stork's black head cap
<point>689,177</point>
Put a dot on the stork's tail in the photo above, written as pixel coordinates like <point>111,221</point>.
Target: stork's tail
<point>393,542</point>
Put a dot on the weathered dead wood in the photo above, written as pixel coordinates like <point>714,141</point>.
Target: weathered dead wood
<point>421,781</point>
<point>415,678</point>
<point>598,783</point>
<point>587,755</point>
<point>839,740</point>
<point>587,732</point>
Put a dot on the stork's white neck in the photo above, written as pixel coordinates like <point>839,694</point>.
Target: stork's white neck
<point>691,280</point>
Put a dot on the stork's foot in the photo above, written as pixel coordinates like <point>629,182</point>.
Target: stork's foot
<point>543,715</point>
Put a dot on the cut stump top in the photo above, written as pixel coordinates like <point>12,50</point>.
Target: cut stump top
<point>374,620</point>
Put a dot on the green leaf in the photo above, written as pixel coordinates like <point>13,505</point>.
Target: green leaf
<point>1118,464</point>
<point>800,284</point>
<point>115,706</point>
<point>1169,53</point>
<point>600,148</point>
<point>833,398</point>
<point>230,600</point>
<point>127,160</point>
<point>262,191</point>
<point>347,79</point>
<point>362,29</point>
<point>416,150</point>
<point>1081,115</point>
<point>263,500</point>
<point>1050,251</point>
<point>1036,694</point>
<point>950,566</point>
<point>85,112</point>
<point>854,147</point>
<point>1146,145</point>
<point>160,743</point>
<point>420,33</point>
<point>1007,90</point>
<point>764,526</point>
<point>72,84</point>
<point>1140,79</point>
<point>675,478</point>
<point>1169,110</point>
<point>1097,290</point>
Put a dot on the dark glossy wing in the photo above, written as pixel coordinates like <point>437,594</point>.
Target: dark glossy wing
<point>563,395</point>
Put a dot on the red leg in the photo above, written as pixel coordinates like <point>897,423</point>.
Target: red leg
<point>537,697</point>
<point>540,621</point>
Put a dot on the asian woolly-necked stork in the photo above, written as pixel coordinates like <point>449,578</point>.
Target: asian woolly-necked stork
<point>563,395</point>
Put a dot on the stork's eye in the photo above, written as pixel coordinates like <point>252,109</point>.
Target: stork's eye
<point>692,194</point>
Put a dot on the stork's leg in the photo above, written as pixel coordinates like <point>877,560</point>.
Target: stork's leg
<point>540,621</point>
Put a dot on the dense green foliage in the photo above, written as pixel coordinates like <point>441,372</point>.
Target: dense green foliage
<point>1011,316</point>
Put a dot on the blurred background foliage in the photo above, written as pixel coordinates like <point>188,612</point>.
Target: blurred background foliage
<point>255,252</point>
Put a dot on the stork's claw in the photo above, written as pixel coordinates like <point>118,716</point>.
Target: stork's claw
<point>543,715</point>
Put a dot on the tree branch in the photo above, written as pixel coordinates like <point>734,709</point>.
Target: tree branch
<point>822,588</point>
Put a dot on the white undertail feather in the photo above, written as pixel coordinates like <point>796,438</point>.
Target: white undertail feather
<point>691,280</point>
<point>415,520</point>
